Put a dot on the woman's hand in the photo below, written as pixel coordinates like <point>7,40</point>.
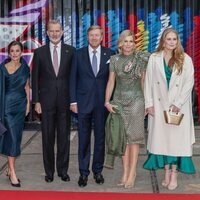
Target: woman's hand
<point>27,108</point>
<point>150,111</point>
<point>174,108</point>
<point>110,107</point>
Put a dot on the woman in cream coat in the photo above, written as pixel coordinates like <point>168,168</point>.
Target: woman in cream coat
<point>168,84</point>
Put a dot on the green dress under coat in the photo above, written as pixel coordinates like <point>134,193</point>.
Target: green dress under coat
<point>153,162</point>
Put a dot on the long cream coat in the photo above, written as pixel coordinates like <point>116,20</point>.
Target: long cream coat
<point>165,139</point>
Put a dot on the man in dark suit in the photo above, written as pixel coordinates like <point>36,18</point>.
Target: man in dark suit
<point>89,75</point>
<point>50,87</point>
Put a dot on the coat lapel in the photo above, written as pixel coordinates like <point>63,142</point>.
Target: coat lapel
<point>102,61</point>
<point>161,64</point>
<point>86,57</point>
<point>62,57</point>
<point>49,60</point>
<point>173,79</point>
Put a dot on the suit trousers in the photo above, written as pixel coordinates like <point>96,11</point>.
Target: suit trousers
<point>98,117</point>
<point>56,125</point>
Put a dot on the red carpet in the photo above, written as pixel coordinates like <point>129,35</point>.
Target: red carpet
<point>49,195</point>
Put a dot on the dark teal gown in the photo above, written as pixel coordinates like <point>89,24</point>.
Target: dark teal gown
<point>13,107</point>
<point>153,162</point>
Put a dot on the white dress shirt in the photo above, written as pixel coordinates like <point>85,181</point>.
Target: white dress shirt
<point>51,45</point>
<point>98,55</point>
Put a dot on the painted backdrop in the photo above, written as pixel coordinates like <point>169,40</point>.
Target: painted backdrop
<point>25,20</point>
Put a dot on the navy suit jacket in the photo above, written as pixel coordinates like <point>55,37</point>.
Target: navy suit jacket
<point>86,89</point>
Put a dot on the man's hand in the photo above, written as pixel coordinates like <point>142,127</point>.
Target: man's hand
<point>74,108</point>
<point>38,108</point>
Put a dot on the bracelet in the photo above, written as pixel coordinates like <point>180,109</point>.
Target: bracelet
<point>106,103</point>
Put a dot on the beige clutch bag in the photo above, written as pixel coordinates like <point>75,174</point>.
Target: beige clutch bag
<point>173,117</point>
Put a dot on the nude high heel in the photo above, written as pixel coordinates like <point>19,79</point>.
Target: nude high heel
<point>166,181</point>
<point>122,182</point>
<point>130,184</point>
<point>173,181</point>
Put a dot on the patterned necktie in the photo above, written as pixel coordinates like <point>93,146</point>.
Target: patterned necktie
<point>55,60</point>
<point>94,62</point>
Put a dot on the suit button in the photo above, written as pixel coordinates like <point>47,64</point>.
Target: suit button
<point>158,82</point>
<point>158,99</point>
<point>176,85</point>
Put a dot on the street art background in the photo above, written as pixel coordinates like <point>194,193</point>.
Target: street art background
<point>25,20</point>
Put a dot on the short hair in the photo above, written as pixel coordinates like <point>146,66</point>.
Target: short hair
<point>94,27</point>
<point>54,21</point>
<point>122,36</point>
<point>14,43</point>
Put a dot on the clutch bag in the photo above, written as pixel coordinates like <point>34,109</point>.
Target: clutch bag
<point>173,117</point>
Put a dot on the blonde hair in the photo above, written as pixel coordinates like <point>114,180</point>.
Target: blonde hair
<point>122,37</point>
<point>177,58</point>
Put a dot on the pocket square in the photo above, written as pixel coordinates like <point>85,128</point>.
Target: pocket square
<point>108,61</point>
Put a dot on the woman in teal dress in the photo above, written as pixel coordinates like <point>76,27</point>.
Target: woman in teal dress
<point>126,79</point>
<point>14,105</point>
<point>168,85</point>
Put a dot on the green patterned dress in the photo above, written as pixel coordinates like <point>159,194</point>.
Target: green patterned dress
<point>128,92</point>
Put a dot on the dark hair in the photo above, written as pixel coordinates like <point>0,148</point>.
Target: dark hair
<point>13,43</point>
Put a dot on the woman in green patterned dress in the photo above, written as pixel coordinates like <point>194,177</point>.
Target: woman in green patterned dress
<point>126,78</point>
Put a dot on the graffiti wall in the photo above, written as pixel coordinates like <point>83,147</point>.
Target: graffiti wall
<point>25,20</point>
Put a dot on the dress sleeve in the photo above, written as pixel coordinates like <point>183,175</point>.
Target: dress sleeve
<point>112,63</point>
<point>148,88</point>
<point>26,68</point>
<point>143,60</point>
<point>2,94</point>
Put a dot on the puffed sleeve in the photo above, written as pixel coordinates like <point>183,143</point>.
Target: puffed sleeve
<point>112,66</point>
<point>143,58</point>
<point>148,93</point>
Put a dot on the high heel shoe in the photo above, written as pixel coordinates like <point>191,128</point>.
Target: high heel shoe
<point>130,185</point>
<point>166,181</point>
<point>123,180</point>
<point>120,184</point>
<point>173,181</point>
<point>7,173</point>
<point>15,184</point>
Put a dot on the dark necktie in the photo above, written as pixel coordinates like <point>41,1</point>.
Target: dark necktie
<point>55,60</point>
<point>94,62</point>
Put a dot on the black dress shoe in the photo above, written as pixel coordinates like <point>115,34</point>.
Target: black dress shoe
<point>64,177</point>
<point>82,182</point>
<point>15,184</point>
<point>99,178</point>
<point>48,179</point>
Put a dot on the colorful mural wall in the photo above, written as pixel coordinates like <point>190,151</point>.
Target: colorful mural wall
<point>25,20</point>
